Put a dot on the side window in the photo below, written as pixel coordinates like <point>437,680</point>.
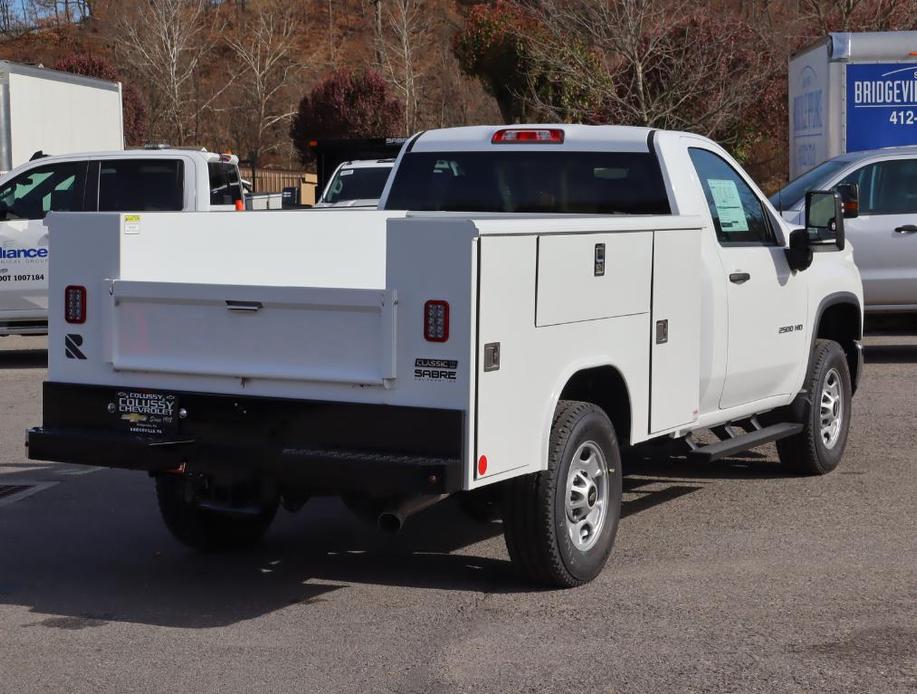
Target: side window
<point>152,185</point>
<point>225,186</point>
<point>34,193</point>
<point>887,187</point>
<point>738,214</point>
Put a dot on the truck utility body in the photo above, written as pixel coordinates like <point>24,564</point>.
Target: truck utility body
<point>481,342</point>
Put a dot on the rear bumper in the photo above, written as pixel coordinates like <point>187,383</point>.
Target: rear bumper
<point>323,447</point>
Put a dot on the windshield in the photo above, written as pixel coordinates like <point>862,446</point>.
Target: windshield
<point>787,197</point>
<point>357,184</point>
<point>527,181</point>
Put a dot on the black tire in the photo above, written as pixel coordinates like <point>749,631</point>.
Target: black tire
<point>808,453</point>
<point>203,529</point>
<point>535,506</point>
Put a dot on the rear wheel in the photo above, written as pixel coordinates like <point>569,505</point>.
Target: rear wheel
<point>207,529</point>
<point>818,449</point>
<point>560,524</point>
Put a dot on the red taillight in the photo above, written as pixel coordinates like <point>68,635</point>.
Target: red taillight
<point>436,321</point>
<point>240,206</point>
<point>511,136</point>
<point>75,304</point>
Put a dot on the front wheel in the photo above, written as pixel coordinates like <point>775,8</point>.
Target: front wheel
<point>818,449</point>
<point>560,524</point>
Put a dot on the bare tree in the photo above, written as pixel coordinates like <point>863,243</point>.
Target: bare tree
<point>265,50</point>
<point>403,40</point>
<point>822,16</point>
<point>165,43</point>
<point>644,62</point>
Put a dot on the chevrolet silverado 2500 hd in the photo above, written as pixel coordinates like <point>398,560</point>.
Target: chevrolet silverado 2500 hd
<point>551,295</point>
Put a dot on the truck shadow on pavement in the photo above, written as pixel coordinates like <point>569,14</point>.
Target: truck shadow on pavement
<point>76,559</point>
<point>24,359</point>
<point>890,354</point>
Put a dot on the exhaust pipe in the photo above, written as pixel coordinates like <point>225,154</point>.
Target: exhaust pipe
<point>393,518</point>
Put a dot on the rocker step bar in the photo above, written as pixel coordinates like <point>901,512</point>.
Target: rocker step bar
<point>744,442</point>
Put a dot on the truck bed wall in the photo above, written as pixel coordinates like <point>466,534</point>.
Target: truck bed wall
<point>327,327</point>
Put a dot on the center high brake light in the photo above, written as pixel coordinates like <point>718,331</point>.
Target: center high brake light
<point>528,136</point>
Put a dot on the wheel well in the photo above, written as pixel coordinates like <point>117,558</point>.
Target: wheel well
<point>603,386</point>
<point>841,323</point>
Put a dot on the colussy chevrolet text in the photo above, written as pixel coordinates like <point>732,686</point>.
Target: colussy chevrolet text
<point>526,303</point>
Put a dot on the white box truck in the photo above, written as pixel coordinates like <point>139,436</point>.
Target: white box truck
<point>851,92</point>
<point>556,293</point>
<point>56,113</point>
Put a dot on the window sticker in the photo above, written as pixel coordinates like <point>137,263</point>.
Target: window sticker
<point>728,205</point>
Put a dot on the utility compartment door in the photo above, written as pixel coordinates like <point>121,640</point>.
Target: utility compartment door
<point>585,277</point>
<point>675,338</point>
<point>286,333</point>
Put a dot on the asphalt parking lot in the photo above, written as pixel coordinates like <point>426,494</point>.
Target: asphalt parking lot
<point>729,577</point>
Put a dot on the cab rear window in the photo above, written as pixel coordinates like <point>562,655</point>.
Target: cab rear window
<point>154,185</point>
<point>542,182</point>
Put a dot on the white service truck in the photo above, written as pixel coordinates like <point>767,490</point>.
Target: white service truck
<point>55,112</point>
<point>528,301</point>
<point>851,92</point>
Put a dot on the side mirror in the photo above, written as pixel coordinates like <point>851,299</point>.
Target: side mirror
<point>850,199</point>
<point>799,254</point>
<point>825,219</point>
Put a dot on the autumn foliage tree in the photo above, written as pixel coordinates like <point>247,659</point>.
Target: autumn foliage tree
<point>132,104</point>
<point>347,104</point>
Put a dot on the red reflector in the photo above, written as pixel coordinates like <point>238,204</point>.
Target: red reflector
<point>240,206</point>
<point>546,136</point>
<point>482,465</point>
<point>75,304</point>
<point>436,321</point>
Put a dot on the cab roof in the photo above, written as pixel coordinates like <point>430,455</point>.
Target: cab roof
<point>595,138</point>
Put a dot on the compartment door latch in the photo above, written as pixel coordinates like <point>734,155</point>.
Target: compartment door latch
<point>492,356</point>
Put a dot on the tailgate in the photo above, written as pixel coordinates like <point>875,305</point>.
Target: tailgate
<point>297,333</point>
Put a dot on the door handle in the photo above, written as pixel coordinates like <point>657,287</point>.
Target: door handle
<point>244,305</point>
<point>739,277</point>
<point>906,229</point>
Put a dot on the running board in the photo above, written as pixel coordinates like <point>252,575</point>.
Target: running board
<point>744,442</point>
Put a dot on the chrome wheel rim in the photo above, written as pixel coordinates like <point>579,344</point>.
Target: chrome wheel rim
<point>587,496</point>
<point>831,409</point>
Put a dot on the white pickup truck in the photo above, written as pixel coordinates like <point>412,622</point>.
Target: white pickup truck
<point>555,293</point>
<point>131,180</point>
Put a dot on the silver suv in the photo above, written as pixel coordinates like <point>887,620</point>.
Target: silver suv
<point>884,235</point>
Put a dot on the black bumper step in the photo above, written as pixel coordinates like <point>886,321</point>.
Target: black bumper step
<point>744,442</point>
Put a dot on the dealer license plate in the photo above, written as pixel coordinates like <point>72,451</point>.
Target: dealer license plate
<point>143,412</point>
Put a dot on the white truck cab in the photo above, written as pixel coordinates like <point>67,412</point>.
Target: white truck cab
<point>528,301</point>
<point>357,183</point>
<point>123,180</point>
